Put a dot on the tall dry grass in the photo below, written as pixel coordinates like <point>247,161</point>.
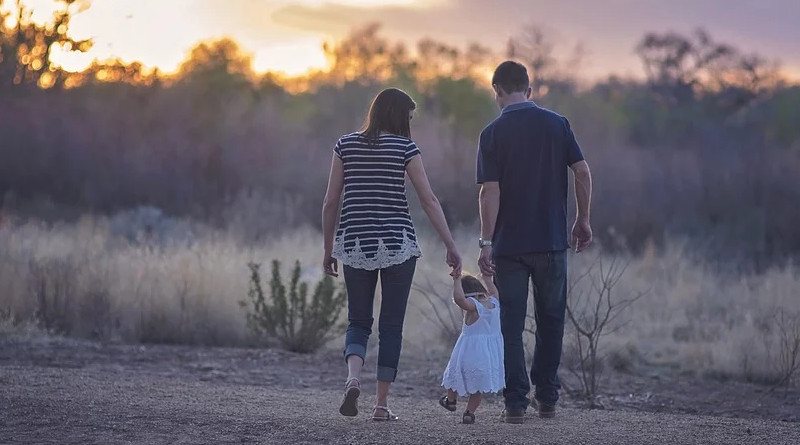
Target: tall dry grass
<point>101,285</point>
<point>85,280</point>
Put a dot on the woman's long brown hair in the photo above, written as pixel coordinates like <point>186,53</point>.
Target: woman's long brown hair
<point>389,113</point>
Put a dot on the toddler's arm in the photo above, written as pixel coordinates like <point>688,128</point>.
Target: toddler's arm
<point>489,282</point>
<point>459,298</point>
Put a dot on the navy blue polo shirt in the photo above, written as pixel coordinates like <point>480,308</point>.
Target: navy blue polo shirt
<point>528,150</point>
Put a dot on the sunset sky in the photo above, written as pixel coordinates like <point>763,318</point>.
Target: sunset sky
<point>287,35</point>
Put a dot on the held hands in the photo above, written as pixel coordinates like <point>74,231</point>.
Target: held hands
<point>453,259</point>
<point>485,261</point>
<point>581,235</point>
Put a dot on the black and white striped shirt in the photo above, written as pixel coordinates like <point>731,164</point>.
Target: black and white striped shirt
<point>375,228</point>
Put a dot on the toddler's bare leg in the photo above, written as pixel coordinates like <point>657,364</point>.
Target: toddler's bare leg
<point>474,402</point>
<point>452,396</point>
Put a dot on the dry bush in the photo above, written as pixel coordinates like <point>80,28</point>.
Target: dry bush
<point>593,313</point>
<point>53,286</point>
<point>437,309</point>
<point>12,327</point>
<point>299,324</point>
<point>785,361</point>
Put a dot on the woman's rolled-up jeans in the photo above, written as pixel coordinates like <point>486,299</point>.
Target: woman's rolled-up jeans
<point>395,288</point>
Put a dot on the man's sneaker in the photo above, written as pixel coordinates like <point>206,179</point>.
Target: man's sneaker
<point>512,416</point>
<point>545,411</point>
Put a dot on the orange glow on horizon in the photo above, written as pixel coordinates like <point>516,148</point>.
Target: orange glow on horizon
<point>160,34</point>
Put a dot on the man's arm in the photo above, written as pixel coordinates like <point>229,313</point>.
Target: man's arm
<point>582,230</point>
<point>488,176</point>
<point>489,204</point>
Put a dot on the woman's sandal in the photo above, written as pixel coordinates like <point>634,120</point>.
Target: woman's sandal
<point>468,418</point>
<point>389,416</point>
<point>447,404</point>
<point>349,406</point>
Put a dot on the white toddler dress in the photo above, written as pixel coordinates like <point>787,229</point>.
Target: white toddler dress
<point>476,364</point>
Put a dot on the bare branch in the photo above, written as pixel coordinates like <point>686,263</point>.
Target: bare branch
<point>594,317</point>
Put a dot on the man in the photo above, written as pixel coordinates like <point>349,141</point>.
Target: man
<point>523,158</point>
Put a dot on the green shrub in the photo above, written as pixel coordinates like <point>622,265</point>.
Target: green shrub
<point>297,323</point>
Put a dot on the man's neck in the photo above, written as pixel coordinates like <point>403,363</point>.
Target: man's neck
<point>515,98</point>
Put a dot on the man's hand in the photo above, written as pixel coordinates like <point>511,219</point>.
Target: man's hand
<point>581,235</point>
<point>485,261</point>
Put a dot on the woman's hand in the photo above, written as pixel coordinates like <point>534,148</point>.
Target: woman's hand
<point>330,265</point>
<point>454,261</point>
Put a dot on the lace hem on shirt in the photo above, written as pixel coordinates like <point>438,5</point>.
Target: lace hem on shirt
<point>382,258</point>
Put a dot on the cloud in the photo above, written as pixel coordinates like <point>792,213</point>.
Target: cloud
<point>608,29</point>
<point>160,33</point>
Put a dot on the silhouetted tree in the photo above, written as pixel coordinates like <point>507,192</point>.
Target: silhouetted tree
<point>114,71</point>
<point>26,46</point>
<point>680,68</point>
<point>365,56</point>
<point>533,47</point>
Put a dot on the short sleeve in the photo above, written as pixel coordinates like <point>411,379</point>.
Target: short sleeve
<point>487,169</point>
<point>337,149</point>
<point>571,147</point>
<point>411,151</point>
<point>478,306</point>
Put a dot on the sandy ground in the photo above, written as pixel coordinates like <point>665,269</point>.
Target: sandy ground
<point>65,391</point>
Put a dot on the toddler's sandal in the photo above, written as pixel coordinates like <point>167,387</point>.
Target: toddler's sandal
<point>468,418</point>
<point>447,404</point>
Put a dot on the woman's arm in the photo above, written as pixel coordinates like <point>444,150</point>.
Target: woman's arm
<point>330,209</point>
<point>459,298</point>
<point>432,207</point>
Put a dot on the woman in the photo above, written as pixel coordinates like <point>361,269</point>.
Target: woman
<point>376,238</point>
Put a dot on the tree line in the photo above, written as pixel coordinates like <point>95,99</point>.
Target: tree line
<point>704,146</point>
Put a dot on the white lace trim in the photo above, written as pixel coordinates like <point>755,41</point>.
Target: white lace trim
<point>382,258</point>
<point>470,381</point>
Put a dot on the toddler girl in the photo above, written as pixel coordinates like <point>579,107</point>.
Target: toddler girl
<point>476,364</point>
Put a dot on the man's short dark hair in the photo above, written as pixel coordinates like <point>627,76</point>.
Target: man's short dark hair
<point>512,77</point>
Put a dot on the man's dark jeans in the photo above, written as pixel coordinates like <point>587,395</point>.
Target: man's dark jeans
<point>548,274</point>
<point>395,287</point>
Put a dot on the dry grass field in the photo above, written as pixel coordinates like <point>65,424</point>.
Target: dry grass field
<point>85,280</point>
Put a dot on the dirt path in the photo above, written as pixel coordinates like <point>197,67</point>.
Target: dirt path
<point>69,392</point>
